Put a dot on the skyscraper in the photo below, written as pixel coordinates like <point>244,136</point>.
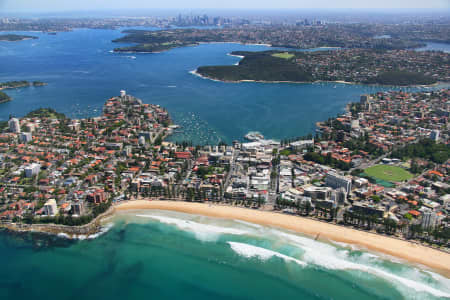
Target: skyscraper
<point>14,125</point>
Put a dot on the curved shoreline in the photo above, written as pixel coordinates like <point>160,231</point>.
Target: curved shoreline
<point>411,252</point>
<point>194,72</point>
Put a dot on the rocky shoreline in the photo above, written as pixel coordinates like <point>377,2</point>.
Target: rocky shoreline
<point>71,232</point>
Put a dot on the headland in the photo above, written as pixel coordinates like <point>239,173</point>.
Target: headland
<point>16,37</point>
<point>381,67</point>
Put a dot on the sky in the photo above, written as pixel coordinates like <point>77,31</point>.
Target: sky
<point>77,5</point>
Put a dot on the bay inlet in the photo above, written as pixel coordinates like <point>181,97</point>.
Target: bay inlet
<point>81,72</point>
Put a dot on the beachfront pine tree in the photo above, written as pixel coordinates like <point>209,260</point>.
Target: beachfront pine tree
<point>308,208</point>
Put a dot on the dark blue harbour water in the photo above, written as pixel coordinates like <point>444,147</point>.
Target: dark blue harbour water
<point>162,255</point>
<point>82,73</point>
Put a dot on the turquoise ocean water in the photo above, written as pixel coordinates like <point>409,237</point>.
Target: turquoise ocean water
<point>82,73</point>
<point>168,255</point>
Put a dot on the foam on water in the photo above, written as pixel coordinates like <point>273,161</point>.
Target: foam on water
<point>249,251</point>
<point>345,245</point>
<point>249,224</point>
<point>411,281</point>
<point>63,235</point>
<point>195,73</point>
<point>80,237</point>
<point>102,231</point>
<point>329,257</point>
<point>443,280</point>
<point>205,232</point>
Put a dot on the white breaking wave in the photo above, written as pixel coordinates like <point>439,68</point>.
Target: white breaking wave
<point>248,224</point>
<point>102,231</point>
<point>440,278</point>
<point>202,231</point>
<point>315,252</point>
<point>327,256</point>
<point>63,235</point>
<point>194,72</point>
<point>81,237</point>
<point>345,245</point>
<point>249,251</point>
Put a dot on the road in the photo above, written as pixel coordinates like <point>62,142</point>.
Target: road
<point>232,169</point>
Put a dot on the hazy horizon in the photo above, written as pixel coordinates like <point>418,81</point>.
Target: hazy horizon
<point>43,6</point>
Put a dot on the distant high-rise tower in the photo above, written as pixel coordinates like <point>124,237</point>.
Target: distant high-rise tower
<point>429,219</point>
<point>14,125</point>
<point>122,93</point>
<point>434,135</point>
<point>365,102</point>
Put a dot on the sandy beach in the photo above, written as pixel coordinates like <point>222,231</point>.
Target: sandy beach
<point>435,259</point>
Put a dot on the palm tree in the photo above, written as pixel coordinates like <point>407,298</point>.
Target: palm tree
<point>308,208</point>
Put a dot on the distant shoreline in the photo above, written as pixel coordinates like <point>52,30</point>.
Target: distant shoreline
<point>409,251</point>
<point>24,84</point>
<point>13,41</point>
<point>194,72</point>
<point>16,37</point>
<point>118,50</point>
<point>239,43</point>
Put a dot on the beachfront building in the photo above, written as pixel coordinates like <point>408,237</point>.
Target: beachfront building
<point>364,208</point>
<point>429,220</point>
<point>77,208</point>
<point>301,144</point>
<point>50,207</point>
<point>337,181</point>
<point>295,196</point>
<point>98,196</point>
<point>318,193</point>
<point>339,196</point>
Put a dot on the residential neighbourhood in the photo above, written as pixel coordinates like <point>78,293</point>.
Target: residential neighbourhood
<point>68,171</point>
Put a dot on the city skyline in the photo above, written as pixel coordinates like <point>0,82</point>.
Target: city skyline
<point>83,5</point>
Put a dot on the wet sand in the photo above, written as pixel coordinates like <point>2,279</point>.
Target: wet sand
<point>414,253</point>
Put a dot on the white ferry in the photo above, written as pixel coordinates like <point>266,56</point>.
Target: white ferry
<point>254,136</point>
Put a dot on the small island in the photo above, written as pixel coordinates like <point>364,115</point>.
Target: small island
<point>153,47</point>
<point>20,84</point>
<point>16,37</point>
<point>363,66</point>
<point>4,97</point>
<point>15,85</point>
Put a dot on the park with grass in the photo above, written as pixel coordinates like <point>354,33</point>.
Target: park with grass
<point>388,173</point>
<point>284,55</point>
